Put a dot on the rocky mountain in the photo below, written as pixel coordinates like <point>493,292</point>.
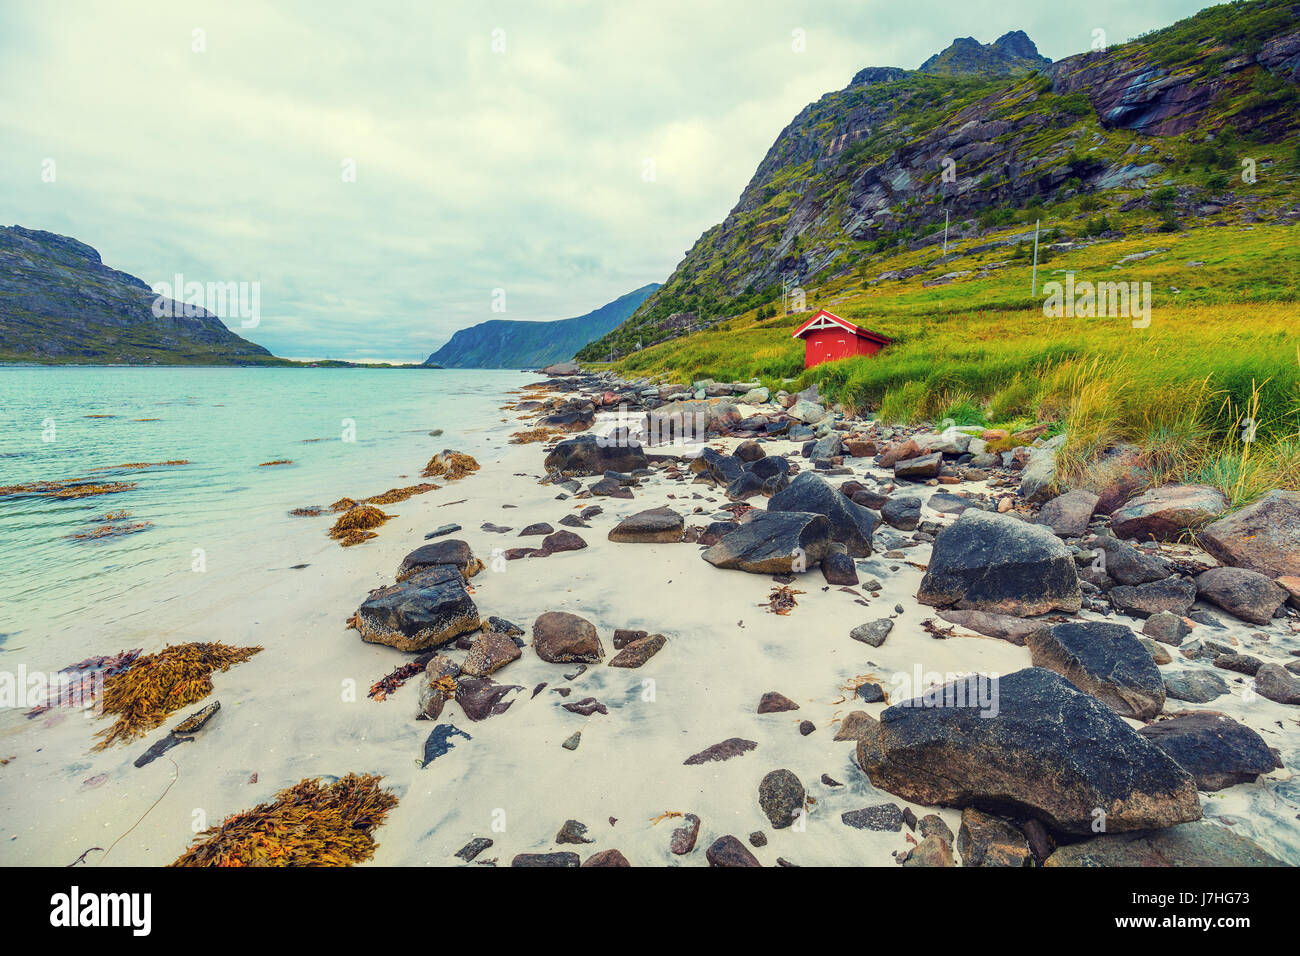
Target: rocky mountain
<point>875,167</point>
<point>60,304</point>
<point>1012,52</point>
<point>504,343</point>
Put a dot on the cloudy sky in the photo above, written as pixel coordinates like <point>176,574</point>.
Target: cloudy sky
<point>565,152</point>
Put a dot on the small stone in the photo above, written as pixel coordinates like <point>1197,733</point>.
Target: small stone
<point>728,851</point>
<point>873,632</point>
<point>882,817</point>
<point>474,847</point>
<point>774,703</point>
<point>609,857</point>
<point>573,832</point>
<point>683,838</point>
<point>781,797</point>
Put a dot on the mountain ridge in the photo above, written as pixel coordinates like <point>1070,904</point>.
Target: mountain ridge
<point>865,170</point>
<point>59,304</point>
<point>510,343</point>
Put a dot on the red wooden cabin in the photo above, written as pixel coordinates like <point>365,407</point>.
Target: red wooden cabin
<point>827,337</point>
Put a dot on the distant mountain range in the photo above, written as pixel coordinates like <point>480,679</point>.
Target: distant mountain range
<point>59,304</point>
<point>507,343</point>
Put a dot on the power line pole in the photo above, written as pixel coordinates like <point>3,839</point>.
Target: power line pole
<point>945,231</point>
<point>1034,292</point>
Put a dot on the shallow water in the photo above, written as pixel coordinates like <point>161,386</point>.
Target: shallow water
<point>348,432</point>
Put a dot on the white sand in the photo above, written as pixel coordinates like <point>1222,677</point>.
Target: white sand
<point>284,715</point>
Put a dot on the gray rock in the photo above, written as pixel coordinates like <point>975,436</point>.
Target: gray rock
<point>903,513</point>
<point>781,797</point>
<point>777,542</point>
<point>1036,745</point>
<point>850,524</point>
<point>1263,537</point>
<point>426,610</point>
<point>1189,845</point>
<point>1168,512</point>
<point>991,562</point>
<point>655,526</point>
<point>1216,750</point>
<point>986,840</point>
<point>586,455</point>
<point>873,632</point>
<point>561,638</point>
<point>884,817</point>
<point>1068,515</point>
<point>1174,594</point>
<point>1246,594</point>
<point>1166,627</point>
<point>1105,660</point>
<point>1277,684</point>
<point>1195,686</point>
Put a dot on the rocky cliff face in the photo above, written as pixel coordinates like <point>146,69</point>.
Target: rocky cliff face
<point>502,343</point>
<point>1013,52</point>
<point>878,164</point>
<point>59,303</point>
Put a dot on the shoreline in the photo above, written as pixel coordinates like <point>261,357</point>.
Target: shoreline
<point>286,714</point>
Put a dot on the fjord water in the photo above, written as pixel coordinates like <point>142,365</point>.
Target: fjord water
<point>222,508</point>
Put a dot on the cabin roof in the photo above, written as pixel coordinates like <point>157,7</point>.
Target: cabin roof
<point>829,320</point>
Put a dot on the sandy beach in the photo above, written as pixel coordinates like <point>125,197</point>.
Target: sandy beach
<point>300,708</point>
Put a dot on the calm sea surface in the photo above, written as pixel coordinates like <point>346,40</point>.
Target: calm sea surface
<point>58,423</point>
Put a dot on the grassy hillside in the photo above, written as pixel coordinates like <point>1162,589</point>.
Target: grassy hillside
<point>1223,346</point>
<point>858,176</point>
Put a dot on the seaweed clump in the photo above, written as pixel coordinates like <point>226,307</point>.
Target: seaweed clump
<point>354,525</point>
<point>308,824</point>
<point>454,465</point>
<point>156,685</point>
<point>530,435</point>
<point>394,495</point>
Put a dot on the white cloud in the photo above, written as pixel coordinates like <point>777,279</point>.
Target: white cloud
<point>475,169</point>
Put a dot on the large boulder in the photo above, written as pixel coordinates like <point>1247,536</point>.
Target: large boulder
<point>985,561</point>
<point>1263,537</point>
<point>655,526</point>
<point>1192,844</point>
<point>691,420</point>
<point>1243,593</point>
<point>773,542</point>
<point>986,840</point>
<point>1068,515</point>
<point>1216,750</point>
<point>590,455</point>
<point>1166,513</point>
<point>561,638</point>
<point>1104,660</point>
<point>1129,565</point>
<point>426,610</point>
<point>1004,627</point>
<point>852,525</point>
<point>1033,744</point>
<point>810,413</point>
<point>919,468</point>
<point>1174,594</point>
<point>1195,686</point>
<point>447,552</point>
<point>1277,684</point>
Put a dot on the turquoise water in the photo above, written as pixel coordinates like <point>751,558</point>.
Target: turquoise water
<point>225,422</point>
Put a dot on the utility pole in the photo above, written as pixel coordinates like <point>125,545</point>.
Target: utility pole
<point>1034,293</point>
<point>945,231</point>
